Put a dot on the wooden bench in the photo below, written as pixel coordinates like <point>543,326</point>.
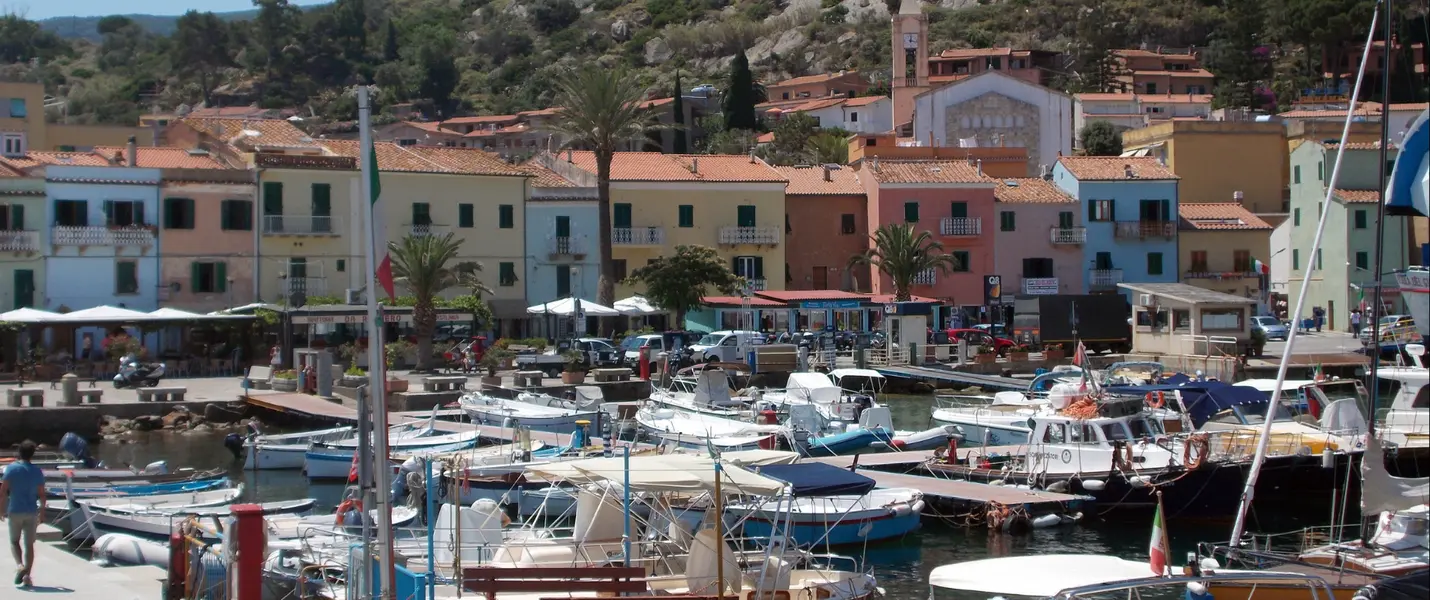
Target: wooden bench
<point>162,394</point>
<point>90,396</point>
<point>527,378</point>
<point>603,375</point>
<point>444,384</point>
<point>605,581</point>
<point>258,377</point>
<point>14,397</point>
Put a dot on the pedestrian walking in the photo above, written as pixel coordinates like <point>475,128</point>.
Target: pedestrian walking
<point>1355,321</point>
<point>21,489</point>
<point>1319,315</point>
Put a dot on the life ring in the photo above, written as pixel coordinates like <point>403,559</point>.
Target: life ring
<point>1199,441</point>
<point>1155,400</point>
<point>347,505</point>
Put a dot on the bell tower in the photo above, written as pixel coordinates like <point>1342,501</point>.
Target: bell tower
<point>910,74</point>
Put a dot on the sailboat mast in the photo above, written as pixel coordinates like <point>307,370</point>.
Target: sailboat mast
<point>1249,492</point>
<point>1379,264</point>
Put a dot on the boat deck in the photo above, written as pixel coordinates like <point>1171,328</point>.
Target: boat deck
<point>58,571</point>
<point>947,375</point>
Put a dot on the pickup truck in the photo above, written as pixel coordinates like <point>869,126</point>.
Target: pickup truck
<point>599,353</point>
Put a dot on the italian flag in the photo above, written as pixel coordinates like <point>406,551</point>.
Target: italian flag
<point>1157,548</point>
<point>1261,267</point>
<point>379,233</point>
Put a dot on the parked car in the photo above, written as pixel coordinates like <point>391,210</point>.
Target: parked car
<point>1393,329</point>
<point>704,90</point>
<point>1272,327</point>
<point>724,346</point>
<point>654,343</point>
<point>994,329</point>
<point>598,353</point>
<point>979,337</point>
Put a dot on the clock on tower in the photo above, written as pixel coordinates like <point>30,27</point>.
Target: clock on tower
<point>911,41</point>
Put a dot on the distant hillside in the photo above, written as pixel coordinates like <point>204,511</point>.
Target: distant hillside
<point>86,28</point>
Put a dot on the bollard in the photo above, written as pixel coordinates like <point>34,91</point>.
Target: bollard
<point>69,390</point>
<point>645,363</point>
<point>250,544</point>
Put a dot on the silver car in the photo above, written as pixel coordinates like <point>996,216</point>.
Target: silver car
<point>1273,328</point>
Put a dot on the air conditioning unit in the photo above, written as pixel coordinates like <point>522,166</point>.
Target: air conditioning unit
<point>352,296</point>
<point>1145,300</point>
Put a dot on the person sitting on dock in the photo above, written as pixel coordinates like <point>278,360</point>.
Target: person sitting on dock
<point>21,488</point>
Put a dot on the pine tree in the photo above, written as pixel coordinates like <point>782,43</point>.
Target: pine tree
<point>390,49</point>
<point>741,95</point>
<point>1238,56</point>
<point>679,119</point>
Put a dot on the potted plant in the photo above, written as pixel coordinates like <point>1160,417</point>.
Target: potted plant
<point>575,367</point>
<point>986,354</point>
<point>1019,352</point>
<point>494,359</point>
<point>285,381</point>
<point>395,354</point>
<point>1054,352</point>
<point>354,376</point>
<point>1258,342</point>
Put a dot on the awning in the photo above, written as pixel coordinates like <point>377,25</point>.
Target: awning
<point>1203,399</point>
<point>636,306</point>
<point>819,479</point>
<point>567,307</point>
<point>29,315</point>
<point>104,314</point>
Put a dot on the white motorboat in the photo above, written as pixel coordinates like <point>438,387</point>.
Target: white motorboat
<point>706,393</point>
<point>160,523</point>
<point>538,412</point>
<point>694,430</point>
<point>165,502</point>
<point>1406,424</point>
<point>1034,576</point>
<point>285,451</point>
<point>335,460</point>
<point>294,526</point>
<point>997,420</point>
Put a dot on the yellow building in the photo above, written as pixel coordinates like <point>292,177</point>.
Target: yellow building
<point>1216,160</point>
<point>23,127</point>
<point>1221,244</point>
<point>22,213</point>
<point>733,203</point>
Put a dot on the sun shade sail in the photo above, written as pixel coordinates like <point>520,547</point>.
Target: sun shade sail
<point>819,479</point>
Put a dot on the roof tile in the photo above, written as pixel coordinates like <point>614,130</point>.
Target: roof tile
<point>1219,216</point>
<point>653,166</point>
<point>1030,190</point>
<point>925,171</point>
<point>1358,196</point>
<point>1114,168</point>
<point>809,181</point>
<point>808,79</point>
<point>1360,146</point>
<point>544,177</point>
<point>252,132</point>
<point>1147,98</point>
<point>469,161</point>
<point>150,157</point>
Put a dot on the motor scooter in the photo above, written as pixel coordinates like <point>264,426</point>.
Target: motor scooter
<point>133,373</point>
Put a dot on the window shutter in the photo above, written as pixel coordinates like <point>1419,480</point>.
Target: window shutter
<point>958,210</point>
<point>272,198</point>
<point>322,200</point>
<point>621,216</point>
<point>735,266</point>
<point>139,214</point>
<point>17,217</point>
<point>911,212</point>
<point>195,276</point>
<point>108,212</point>
<point>189,213</point>
<point>759,267</point>
<point>224,222</point>
<point>221,276</point>
<point>465,216</point>
<point>1166,210</point>
<point>745,215</point>
<point>1092,210</point>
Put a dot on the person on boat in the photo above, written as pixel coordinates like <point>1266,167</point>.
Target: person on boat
<point>21,487</point>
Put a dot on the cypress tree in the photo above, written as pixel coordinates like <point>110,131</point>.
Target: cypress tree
<point>679,108</point>
<point>740,95</point>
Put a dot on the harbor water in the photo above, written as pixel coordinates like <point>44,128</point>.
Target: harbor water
<point>901,566</point>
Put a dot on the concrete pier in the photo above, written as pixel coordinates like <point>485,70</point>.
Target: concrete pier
<point>48,423</point>
<point>57,571</point>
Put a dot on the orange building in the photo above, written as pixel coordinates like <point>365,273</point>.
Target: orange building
<point>1162,71</point>
<point>826,223</point>
<point>842,83</point>
<point>1033,66</point>
<point>1001,162</point>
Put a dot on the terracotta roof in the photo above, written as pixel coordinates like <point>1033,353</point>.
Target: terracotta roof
<point>788,295</point>
<point>545,112</point>
<point>1130,52</point>
<point>1360,146</point>
<point>889,298</point>
<point>653,166</point>
<point>817,104</point>
<point>809,181</point>
<point>478,120</point>
<point>468,161</point>
<point>1358,196</point>
<point>40,159</point>
<point>975,52</point>
<point>252,132</point>
<point>1410,106</point>
<point>1219,216</point>
<point>231,112</point>
<point>767,137</point>
<point>781,103</point>
<point>1114,168</point>
<point>863,100</point>
<point>1030,190</point>
<point>948,78</point>
<point>738,301</point>
<point>925,171</point>
<point>151,157</point>
<point>1311,113</point>
<point>808,79</point>
<point>544,177</point>
<point>432,126</point>
<point>1173,73</point>
<point>657,102</point>
<point>1150,98</point>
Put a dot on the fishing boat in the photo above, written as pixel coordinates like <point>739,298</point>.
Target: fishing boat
<point>704,391</point>
<point>695,430</point>
<point>165,502</point>
<point>335,460</point>
<point>828,506</point>
<point>80,490</point>
<point>538,412</point>
<point>160,523</point>
<point>285,451</point>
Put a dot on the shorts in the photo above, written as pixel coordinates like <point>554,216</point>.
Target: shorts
<point>25,525</point>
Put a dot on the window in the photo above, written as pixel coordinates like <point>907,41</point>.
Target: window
<point>995,62</point>
<point>1296,218</point>
<point>407,142</point>
<point>749,267</point>
<point>272,198</point>
<point>1361,218</point>
<point>1199,261</point>
<point>846,224</point>
<point>854,116</point>
<point>1007,221</point>
<point>466,216</point>
<point>1037,267</point>
<point>71,213</point>
<point>208,278</point>
<point>1320,170</point>
<point>911,212</point>
<point>17,108</point>
<point>563,226</point>
<point>506,217</point>
<point>1295,259</point>
<point>178,213</point>
<point>687,215</point>
<point>621,216</point>
<point>24,288</point>
<point>820,280</point>
<point>745,215</point>
<point>1318,210</point>
<point>421,213</point>
<point>1363,261</point>
<point>342,265</point>
<point>322,200</point>
<point>236,215</point>
<point>1154,263</point>
<point>1296,174</point>
<point>1065,220</point>
<point>506,274</point>
<point>563,281</point>
<point>1102,261</point>
<point>12,144</point>
<point>298,269</point>
<point>1151,87</point>
<point>1223,319</point>
<point>126,277</point>
<point>1318,259</point>
<point>123,213</point>
<point>12,217</point>
<point>619,266</point>
<point>963,263</point>
<point>958,210</point>
<point>1101,210</point>
<point>1241,261</point>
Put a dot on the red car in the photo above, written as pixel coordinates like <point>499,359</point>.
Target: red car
<point>980,337</point>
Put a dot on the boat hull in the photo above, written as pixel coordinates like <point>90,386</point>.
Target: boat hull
<point>275,458</point>
<point>551,424</point>
<point>975,435</point>
<point>848,442</point>
<point>815,529</point>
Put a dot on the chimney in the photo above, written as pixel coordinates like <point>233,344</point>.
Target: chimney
<point>695,165</point>
<point>827,176</point>
<point>131,153</point>
<point>1043,172</point>
<point>980,167</point>
<point>1238,196</point>
<point>570,156</point>
<point>1127,170</point>
<point>874,164</point>
<point>752,155</point>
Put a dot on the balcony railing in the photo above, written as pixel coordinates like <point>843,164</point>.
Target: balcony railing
<point>1068,235</point>
<point>638,236</point>
<point>428,229</point>
<point>311,286</point>
<point>738,236</point>
<point>1201,272</point>
<point>756,284</point>
<point>300,225</point>
<point>16,240</point>
<point>99,235</point>
<point>1040,286</point>
<point>961,226</point>
<point>1141,230</point>
<point>926,277</point>
<point>567,246</point>
<point>1104,279</point>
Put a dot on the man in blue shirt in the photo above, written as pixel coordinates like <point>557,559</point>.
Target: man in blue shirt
<point>21,489</point>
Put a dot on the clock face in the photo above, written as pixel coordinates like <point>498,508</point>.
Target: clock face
<point>911,40</point>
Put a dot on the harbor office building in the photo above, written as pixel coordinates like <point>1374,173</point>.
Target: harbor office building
<point>797,310</point>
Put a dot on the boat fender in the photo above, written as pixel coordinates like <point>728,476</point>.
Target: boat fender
<point>1070,519</point>
<point>1139,481</point>
<point>1304,451</point>
<point>1046,521</point>
<point>1094,485</point>
<point>996,482</point>
<point>917,508</point>
<point>1328,458</point>
<point>1059,487</point>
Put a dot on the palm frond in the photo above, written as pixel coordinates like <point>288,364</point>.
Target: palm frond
<point>601,109</point>
<point>421,262</point>
<point>901,255</point>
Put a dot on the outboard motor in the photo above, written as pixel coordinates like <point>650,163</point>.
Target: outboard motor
<point>75,446</point>
<point>234,443</point>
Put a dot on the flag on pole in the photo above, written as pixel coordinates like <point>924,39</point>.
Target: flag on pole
<point>1261,267</point>
<point>353,470</point>
<point>1360,302</point>
<point>379,232</point>
<point>1319,375</point>
<point>1158,547</point>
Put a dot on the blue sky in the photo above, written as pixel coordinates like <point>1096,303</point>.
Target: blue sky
<point>44,9</point>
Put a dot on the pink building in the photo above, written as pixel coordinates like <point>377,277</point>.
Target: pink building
<point>206,234</point>
<point>1039,237</point>
<point>954,200</point>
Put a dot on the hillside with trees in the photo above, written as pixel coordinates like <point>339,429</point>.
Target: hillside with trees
<point>450,57</point>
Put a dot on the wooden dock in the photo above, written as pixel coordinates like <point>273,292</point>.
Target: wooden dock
<point>947,375</point>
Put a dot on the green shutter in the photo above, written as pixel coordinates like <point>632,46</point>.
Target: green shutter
<point>563,281</point>
<point>108,212</point>
<point>1360,218</point>
<point>958,210</point>
<point>24,288</point>
<point>563,226</point>
<point>196,275</point>
<point>1103,261</point>
<point>507,274</point>
<point>139,214</point>
<point>1296,217</point>
<point>759,267</point>
<point>126,278</point>
<point>1065,219</point>
<point>466,217</point>
<point>687,215</point>
<point>221,276</point>
<point>272,198</point>
<point>961,257</point>
<point>1154,263</point>
<point>1006,221</point>
<point>911,212</point>
<point>506,218</point>
<point>342,265</point>
<point>1295,259</point>
<point>1166,211</point>
<point>322,200</point>
<point>225,222</point>
<point>1091,211</point>
<point>745,215</point>
<point>17,217</point>
<point>1296,174</point>
<point>621,216</point>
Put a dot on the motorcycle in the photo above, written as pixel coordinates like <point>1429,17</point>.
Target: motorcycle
<point>136,374</point>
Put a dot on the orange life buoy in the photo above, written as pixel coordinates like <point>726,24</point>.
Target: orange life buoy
<point>1155,399</point>
<point>345,506</point>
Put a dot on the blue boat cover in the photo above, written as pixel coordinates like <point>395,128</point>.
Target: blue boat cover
<point>819,479</point>
<point>1204,399</point>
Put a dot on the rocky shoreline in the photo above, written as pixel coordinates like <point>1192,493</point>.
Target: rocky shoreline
<point>215,417</point>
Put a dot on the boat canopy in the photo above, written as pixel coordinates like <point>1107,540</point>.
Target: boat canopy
<point>673,472</point>
<point>819,479</point>
<point>812,387</point>
<point>1054,573</point>
<point>1203,399</point>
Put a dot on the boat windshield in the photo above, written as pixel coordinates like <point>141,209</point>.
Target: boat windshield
<point>1255,414</point>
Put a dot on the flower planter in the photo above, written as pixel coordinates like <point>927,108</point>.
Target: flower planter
<point>1058,354</point>
<point>573,377</point>
<point>396,385</point>
<point>492,381</point>
<point>985,359</point>
<point>285,385</point>
<point>1017,356</point>
<point>353,381</point>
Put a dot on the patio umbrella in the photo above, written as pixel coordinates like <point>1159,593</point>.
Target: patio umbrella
<point>567,307</point>
<point>637,306</point>
<point>29,315</point>
<point>104,314</point>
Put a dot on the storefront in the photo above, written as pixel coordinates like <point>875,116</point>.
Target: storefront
<point>795,311</point>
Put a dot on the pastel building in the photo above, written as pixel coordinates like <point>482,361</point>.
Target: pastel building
<point>1221,244</point>
<point>22,262</point>
<point>562,233</point>
<point>826,223</point>
<point>207,231</point>
<point>954,201</point>
<point>1038,238</point>
<point>1129,207</point>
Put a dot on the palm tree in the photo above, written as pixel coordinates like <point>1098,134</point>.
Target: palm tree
<point>901,255</point>
<point>601,111</point>
<point>421,262</point>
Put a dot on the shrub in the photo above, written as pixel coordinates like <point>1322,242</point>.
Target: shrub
<point>286,374</point>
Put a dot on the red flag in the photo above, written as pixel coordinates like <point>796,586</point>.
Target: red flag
<point>1078,354</point>
<point>353,472</point>
<point>1157,549</point>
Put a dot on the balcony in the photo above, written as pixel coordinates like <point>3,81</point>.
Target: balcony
<point>755,284</point>
<point>15,240</point>
<point>310,286</point>
<point>637,236</point>
<point>300,225</point>
<point>566,246</point>
<point>926,277</point>
<point>960,226</point>
<point>1141,230</point>
<point>1104,279</point>
<point>741,236</point>
<point>428,229</point>
<point>1068,235</point>
<point>1041,286</point>
<point>133,236</point>
<point>1201,272</point>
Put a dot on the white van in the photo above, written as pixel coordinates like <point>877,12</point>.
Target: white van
<point>724,346</point>
<point>632,348</point>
